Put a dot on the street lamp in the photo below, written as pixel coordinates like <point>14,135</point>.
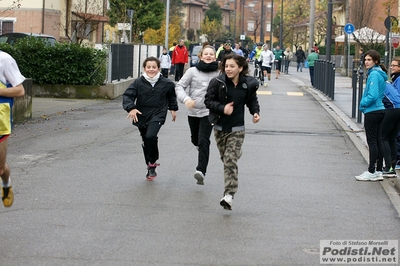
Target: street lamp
<point>262,22</point>
<point>130,15</point>
<point>281,27</point>
<point>234,13</point>
<point>272,23</point>
<point>242,16</point>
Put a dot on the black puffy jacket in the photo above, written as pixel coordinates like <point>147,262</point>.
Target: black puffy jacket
<point>152,102</point>
<point>216,96</point>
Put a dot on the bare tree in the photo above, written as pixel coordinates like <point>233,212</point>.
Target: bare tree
<point>81,20</point>
<point>15,5</point>
<point>361,12</point>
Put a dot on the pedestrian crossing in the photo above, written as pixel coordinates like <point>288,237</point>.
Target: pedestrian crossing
<point>288,93</point>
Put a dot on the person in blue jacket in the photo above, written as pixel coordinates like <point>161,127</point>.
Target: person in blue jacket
<point>391,121</point>
<point>374,111</point>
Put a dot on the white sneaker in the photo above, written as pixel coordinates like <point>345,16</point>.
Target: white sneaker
<point>226,202</point>
<point>199,177</point>
<point>379,176</point>
<point>367,176</point>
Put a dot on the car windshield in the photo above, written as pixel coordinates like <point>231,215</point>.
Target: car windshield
<point>196,50</point>
<point>49,40</point>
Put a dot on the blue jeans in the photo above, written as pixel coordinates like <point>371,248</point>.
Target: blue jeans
<point>300,66</point>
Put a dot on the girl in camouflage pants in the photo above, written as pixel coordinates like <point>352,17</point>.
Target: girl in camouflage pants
<point>226,97</point>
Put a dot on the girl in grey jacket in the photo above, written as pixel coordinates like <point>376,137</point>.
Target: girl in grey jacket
<point>191,90</point>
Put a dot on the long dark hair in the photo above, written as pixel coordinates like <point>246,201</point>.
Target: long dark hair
<point>240,61</point>
<point>376,57</point>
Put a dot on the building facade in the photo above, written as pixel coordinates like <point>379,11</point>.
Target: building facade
<point>64,19</point>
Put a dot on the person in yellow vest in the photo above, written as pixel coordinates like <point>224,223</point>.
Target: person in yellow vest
<point>221,47</point>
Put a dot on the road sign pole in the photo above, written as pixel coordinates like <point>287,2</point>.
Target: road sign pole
<point>349,29</point>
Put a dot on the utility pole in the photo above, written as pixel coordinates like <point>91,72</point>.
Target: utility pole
<point>166,25</point>
<point>346,43</point>
<point>130,15</point>
<point>281,27</point>
<point>262,22</point>
<point>312,19</point>
<point>271,35</point>
<point>329,31</point>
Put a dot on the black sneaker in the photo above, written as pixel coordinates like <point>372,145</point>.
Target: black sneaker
<point>388,173</point>
<point>151,171</point>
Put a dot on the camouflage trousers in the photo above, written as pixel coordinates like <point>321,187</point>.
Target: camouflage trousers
<point>230,149</point>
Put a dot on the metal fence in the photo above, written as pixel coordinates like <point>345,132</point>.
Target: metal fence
<point>324,77</point>
<point>125,60</point>
<point>357,80</point>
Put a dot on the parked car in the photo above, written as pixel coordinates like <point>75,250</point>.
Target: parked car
<point>194,58</point>
<point>12,37</point>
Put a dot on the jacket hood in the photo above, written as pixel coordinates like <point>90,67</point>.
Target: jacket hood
<point>379,71</point>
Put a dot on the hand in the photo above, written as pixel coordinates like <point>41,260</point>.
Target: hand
<point>256,118</point>
<point>132,115</point>
<point>190,104</point>
<point>173,113</point>
<point>228,109</point>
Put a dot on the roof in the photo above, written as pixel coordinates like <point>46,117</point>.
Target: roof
<point>363,35</point>
<point>90,17</point>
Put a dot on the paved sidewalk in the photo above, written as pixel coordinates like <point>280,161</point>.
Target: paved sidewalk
<point>341,110</point>
<point>43,107</point>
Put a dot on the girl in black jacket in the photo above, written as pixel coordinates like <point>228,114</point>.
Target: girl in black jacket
<point>226,97</point>
<point>147,101</point>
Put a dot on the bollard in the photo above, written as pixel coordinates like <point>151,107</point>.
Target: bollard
<point>326,79</point>
<point>354,98</point>
<point>333,72</point>
<point>360,92</point>
<point>317,68</point>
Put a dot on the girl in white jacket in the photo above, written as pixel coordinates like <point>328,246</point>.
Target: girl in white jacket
<point>190,90</point>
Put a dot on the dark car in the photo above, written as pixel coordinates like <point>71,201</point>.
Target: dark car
<point>194,58</point>
<point>12,37</point>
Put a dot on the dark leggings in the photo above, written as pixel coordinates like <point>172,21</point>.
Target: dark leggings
<point>390,129</point>
<point>150,141</point>
<point>179,71</point>
<point>200,130</point>
<point>373,131</point>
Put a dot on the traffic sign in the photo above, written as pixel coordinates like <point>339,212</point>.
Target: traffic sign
<point>242,37</point>
<point>349,28</point>
<point>395,42</point>
<point>390,22</point>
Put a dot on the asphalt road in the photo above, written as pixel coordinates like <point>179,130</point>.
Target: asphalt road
<point>81,197</point>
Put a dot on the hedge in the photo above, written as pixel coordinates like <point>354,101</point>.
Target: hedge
<point>68,64</point>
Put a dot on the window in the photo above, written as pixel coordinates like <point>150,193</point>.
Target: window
<point>250,26</point>
<point>268,27</point>
<point>6,26</point>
